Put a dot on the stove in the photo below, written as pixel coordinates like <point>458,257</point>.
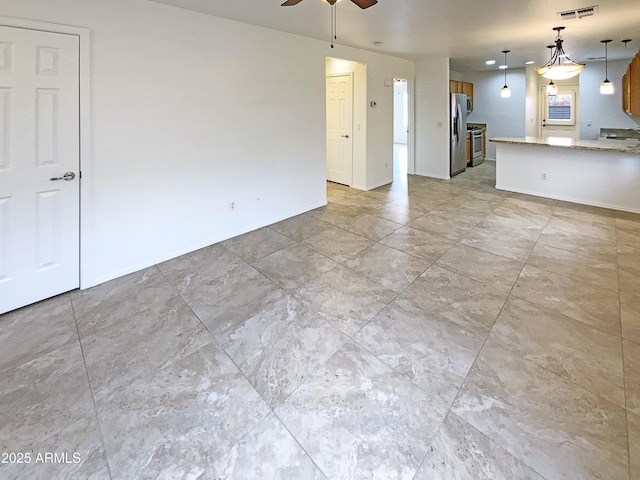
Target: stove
<point>476,145</point>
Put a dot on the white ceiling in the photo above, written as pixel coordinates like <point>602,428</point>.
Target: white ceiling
<point>467,31</point>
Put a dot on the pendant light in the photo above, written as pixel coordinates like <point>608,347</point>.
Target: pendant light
<point>606,87</point>
<point>552,88</point>
<point>505,92</point>
<point>560,66</point>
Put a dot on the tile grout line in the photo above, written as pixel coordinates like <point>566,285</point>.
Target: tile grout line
<point>93,399</point>
<point>622,348</point>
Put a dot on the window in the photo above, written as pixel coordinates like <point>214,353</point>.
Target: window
<point>560,109</point>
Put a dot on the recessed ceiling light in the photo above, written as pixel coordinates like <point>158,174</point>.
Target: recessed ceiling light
<point>529,62</point>
<point>490,62</point>
<point>503,67</point>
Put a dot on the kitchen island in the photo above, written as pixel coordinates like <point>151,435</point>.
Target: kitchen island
<point>603,173</point>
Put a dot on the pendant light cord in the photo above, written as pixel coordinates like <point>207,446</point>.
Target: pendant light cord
<point>606,63</point>
<point>505,67</point>
<point>334,23</point>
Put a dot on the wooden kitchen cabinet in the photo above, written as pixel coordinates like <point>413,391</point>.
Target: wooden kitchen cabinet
<point>631,87</point>
<point>462,87</point>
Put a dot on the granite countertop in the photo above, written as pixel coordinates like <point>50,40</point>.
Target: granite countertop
<point>606,145</point>
<point>619,133</point>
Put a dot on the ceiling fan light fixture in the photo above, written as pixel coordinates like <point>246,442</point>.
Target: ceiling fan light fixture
<point>332,3</point>
<point>560,66</point>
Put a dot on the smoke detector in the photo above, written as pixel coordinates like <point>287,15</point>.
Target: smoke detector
<point>579,12</point>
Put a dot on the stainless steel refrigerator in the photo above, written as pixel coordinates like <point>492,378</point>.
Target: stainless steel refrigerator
<point>458,132</point>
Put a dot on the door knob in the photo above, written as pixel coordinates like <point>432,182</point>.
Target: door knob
<point>345,136</point>
<point>67,176</point>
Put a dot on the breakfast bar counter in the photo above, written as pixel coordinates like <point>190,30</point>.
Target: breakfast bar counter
<point>603,173</point>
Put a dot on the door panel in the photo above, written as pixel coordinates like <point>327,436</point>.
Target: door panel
<point>568,126</point>
<point>339,128</point>
<point>39,140</point>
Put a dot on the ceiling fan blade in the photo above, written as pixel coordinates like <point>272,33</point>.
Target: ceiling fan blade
<point>290,3</point>
<point>365,3</point>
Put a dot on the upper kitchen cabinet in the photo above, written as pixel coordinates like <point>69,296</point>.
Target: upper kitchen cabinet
<point>631,88</point>
<point>462,87</point>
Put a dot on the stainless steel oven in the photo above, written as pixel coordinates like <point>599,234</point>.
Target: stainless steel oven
<point>476,147</point>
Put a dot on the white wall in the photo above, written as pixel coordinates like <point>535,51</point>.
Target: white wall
<point>432,117</point>
<point>532,107</point>
<point>456,76</point>
<point>505,117</point>
<point>190,112</point>
<point>381,70</point>
<point>602,111</point>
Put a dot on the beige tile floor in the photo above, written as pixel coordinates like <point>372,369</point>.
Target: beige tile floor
<point>425,330</point>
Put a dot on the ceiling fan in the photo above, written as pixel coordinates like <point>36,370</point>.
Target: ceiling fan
<point>361,3</point>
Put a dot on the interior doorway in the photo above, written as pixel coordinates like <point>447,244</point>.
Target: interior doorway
<point>559,113</point>
<point>340,128</point>
<point>355,127</point>
<point>400,129</point>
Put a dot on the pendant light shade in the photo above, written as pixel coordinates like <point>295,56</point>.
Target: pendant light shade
<point>606,87</point>
<point>505,92</point>
<point>560,66</point>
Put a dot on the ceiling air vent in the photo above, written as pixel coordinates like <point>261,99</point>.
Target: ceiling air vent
<point>579,13</point>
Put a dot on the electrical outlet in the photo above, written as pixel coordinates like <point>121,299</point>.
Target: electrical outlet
<point>232,205</point>
<point>543,176</point>
<point>386,165</point>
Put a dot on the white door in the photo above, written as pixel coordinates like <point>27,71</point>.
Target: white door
<point>340,128</point>
<point>39,141</point>
<point>559,113</point>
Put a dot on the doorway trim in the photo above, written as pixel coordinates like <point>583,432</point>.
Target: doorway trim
<point>411,143</point>
<point>574,90</point>
<point>351,76</point>
<point>86,213</point>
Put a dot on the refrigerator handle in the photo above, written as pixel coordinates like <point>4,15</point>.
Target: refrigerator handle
<point>457,122</point>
